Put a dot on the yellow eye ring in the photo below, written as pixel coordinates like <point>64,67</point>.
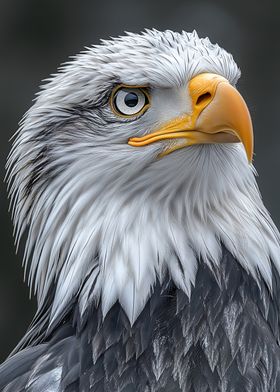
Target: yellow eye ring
<point>129,101</point>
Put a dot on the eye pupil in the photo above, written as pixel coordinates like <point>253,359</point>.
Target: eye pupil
<point>131,100</point>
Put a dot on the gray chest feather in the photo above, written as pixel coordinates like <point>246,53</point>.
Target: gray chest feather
<point>224,338</point>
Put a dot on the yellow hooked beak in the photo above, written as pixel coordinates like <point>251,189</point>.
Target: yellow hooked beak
<point>219,115</point>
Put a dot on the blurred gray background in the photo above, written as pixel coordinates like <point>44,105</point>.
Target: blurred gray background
<point>37,35</point>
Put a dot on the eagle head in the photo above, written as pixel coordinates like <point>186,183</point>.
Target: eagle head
<point>133,163</point>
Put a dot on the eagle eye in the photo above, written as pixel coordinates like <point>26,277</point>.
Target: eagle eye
<point>129,101</point>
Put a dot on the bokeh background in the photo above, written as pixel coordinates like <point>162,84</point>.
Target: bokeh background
<point>37,35</point>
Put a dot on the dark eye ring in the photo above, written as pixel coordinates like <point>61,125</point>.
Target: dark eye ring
<point>129,101</point>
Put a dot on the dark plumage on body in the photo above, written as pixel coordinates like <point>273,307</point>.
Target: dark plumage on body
<point>228,334</point>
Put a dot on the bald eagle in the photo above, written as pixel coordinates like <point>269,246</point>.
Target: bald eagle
<point>153,259</point>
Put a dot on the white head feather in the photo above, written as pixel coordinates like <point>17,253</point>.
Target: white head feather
<point>106,220</point>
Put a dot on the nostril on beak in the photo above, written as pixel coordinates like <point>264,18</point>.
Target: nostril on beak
<point>203,98</point>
